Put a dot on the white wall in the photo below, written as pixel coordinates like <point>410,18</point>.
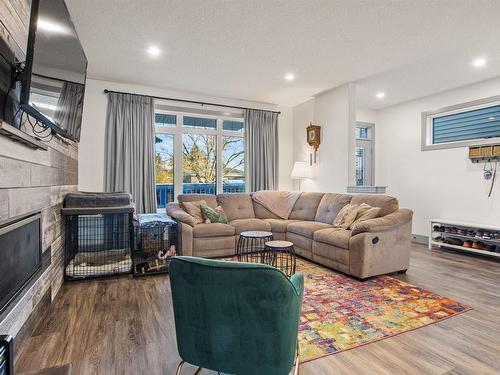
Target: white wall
<point>285,145</point>
<point>303,114</point>
<point>438,183</point>
<point>366,115</point>
<point>334,111</point>
<point>91,148</point>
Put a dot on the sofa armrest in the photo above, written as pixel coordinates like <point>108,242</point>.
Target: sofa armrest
<point>384,248</point>
<point>186,240</point>
<point>175,211</point>
<point>382,224</point>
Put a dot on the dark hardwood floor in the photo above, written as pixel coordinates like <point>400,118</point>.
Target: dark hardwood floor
<point>125,326</point>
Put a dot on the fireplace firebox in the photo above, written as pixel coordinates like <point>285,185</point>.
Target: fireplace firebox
<point>20,256</point>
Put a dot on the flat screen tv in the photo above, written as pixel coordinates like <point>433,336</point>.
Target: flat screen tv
<point>53,85</point>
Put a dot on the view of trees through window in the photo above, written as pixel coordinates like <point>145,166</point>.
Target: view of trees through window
<point>203,171</point>
<point>164,159</point>
<point>199,160</point>
<point>233,168</point>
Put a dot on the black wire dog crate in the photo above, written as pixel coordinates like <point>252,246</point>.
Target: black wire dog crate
<point>99,234</point>
<point>156,241</point>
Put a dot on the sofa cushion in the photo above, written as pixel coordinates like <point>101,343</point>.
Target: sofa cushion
<point>366,212</point>
<point>194,209</point>
<point>279,225</point>
<point>387,203</point>
<point>209,198</point>
<point>306,206</point>
<point>346,216</point>
<point>236,206</point>
<point>330,206</point>
<point>213,215</point>
<point>212,230</point>
<point>242,225</point>
<point>306,228</point>
<point>333,236</point>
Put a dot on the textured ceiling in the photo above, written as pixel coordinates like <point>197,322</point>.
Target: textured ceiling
<point>243,49</point>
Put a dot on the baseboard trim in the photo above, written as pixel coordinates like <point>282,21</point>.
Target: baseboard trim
<point>420,239</point>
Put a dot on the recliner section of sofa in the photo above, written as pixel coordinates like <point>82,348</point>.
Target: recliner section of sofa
<point>373,247</point>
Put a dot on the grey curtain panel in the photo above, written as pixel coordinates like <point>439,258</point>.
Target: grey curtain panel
<point>261,139</point>
<point>69,108</point>
<point>130,141</point>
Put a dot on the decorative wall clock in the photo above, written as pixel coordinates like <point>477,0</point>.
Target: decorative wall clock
<point>314,138</point>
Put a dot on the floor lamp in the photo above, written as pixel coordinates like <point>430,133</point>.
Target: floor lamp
<point>301,170</point>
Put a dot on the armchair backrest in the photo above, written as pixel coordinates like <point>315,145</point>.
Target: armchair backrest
<point>238,318</point>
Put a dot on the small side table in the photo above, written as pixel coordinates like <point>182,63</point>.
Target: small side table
<point>251,245</point>
<point>281,255</point>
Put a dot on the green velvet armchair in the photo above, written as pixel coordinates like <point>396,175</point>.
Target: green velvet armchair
<point>235,318</point>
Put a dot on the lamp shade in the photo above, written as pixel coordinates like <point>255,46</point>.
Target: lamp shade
<point>301,169</point>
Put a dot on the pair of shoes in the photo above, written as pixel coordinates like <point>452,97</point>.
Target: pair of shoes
<point>467,244</point>
<point>486,235</point>
<point>461,232</point>
<point>478,246</point>
<point>453,241</point>
<point>437,228</point>
<point>479,234</point>
<point>491,248</point>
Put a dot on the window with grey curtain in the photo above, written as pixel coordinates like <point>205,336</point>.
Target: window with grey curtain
<point>69,108</point>
<point>261,139</point>
<point>130,140</point>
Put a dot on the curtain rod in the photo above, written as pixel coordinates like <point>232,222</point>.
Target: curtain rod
<point>188,101</point>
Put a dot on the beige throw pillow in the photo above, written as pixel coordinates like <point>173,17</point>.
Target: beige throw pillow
<point>366,212</point>
<point>346,216</point>
<point>194,209</point>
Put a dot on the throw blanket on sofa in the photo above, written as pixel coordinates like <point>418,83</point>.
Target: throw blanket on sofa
<point>279,203</point>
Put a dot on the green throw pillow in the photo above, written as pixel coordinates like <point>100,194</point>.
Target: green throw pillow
<point>215,216</point>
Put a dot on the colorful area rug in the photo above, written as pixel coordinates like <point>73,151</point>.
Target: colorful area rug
<point>341,313</point>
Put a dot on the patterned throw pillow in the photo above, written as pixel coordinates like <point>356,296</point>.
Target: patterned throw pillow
<point>193,208</point>
<point>216,215</point>
<point>366,212</point>
<point>346,216</point>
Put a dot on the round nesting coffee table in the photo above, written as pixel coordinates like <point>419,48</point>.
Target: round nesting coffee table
<point>251,245</point>
<point>281,255</point>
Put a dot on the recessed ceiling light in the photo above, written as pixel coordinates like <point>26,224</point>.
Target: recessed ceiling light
<point>491,118</point>
<point>290,77</point>
<point>154,51</point>
<point>479,62</point>
<point>380,95</point>
<point>51,26</point>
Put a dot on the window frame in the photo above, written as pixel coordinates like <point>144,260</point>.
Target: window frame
<point>428,117</point>
<point>179,129</point>
<point>370,138</point>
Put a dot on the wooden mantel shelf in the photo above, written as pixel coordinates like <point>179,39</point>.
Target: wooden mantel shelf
<point>19,136</point>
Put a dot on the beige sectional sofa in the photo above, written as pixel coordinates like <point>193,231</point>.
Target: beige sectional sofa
<point>369,248</point>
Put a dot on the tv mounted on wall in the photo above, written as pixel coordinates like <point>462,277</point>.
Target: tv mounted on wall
<point>53,83</point>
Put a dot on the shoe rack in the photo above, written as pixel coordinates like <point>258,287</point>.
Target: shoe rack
<point>481,239</point>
